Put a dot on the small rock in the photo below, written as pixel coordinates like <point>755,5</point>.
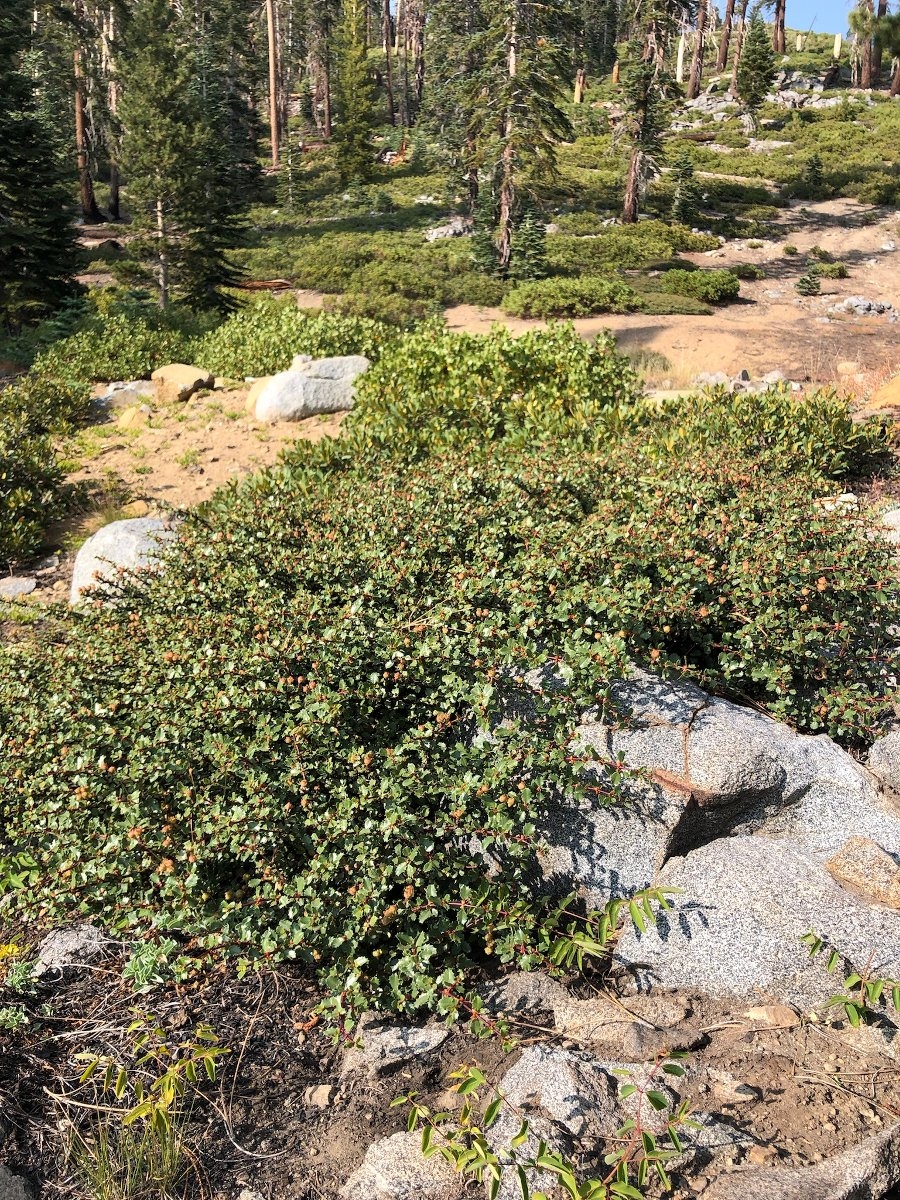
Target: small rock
<point>888,246</point>
<point>454,228</point>
<point>13,1187</point>
<point>46,566</point>
<point>136,417</point>
<point>729,1090</point>
<point>318,1096</point>
<point>386,1045</point>
<point>776,1015</point>
<point>762,1155</point>
<point>775,376</point>
<point>250,1194</point>
<point>863,867</point>
<point>744,375</point>
<point>845,502</point>
<point>395,1169</point>
<point>64,948</point>
<point>177,382</point>
<point>137,508</point>
<point>16,586</point>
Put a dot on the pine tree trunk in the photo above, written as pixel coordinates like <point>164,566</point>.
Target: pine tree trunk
<point>631,203</point>
<point>89,209</point>
<point>507,165</point>
<point>740,37</point>
<point>693,89</point>
<point>778,32</point>
<point>327,120</point>
<point>895,82</point>
<point>274,123</point>
<point>877,52</point>
<point>162,257</point>
<point>580,84</point>
<point>387,39</point>
<point>115,211</point>
<point>727,22</point>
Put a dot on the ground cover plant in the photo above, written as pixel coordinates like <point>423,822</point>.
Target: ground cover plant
<point>299,739</point>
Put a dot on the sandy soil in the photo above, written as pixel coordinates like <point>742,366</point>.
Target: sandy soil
<point>772,328</point>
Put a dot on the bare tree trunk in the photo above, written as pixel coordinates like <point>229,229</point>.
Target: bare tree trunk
<point>507,165</point>
<point>866,64</point>
<point>895,82</point>
<point>580,85</point>
<point>738,47</point>
<point>387,39</point>
<point>877,52</point>
<point>114,179</point>
<point>327,119</point>
<point>693,89</point>
<point>274,122</point>
<point>162,256</point>
<point>778,33</point>
<point>631,203</point>
<point>90,211</point>
<point>727,22</point>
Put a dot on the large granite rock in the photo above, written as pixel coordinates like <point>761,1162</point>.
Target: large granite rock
<point>710,769</point>
<point>121,546</point>
<point>311,387</point>
<point>177,382</point>
<point>735,928</point>
<point>884,759</point>
<point>385,1046</point>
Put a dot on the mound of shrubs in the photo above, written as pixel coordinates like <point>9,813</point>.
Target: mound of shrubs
<point>583,297</point>
<point>712,287</point>
<point>277,748</point>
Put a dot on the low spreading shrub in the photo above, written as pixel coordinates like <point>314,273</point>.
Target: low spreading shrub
<point>114,346</point>
<point>829,270</point>
<point>387,307</point>
<point>279,748</point>
<point>544,298</point>
<point>712,287</point>
<point>747,271</point>
<point>29,483</point>
<point>263,337</point>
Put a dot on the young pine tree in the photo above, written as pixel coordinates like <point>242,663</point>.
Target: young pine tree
<point>686,197</point>
<point>175,155</point>
<point>37,242</point>
<point>756,68</point>
<point>354,96</point>
<point>529,248</point>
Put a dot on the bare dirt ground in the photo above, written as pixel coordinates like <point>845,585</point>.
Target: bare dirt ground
<point>773,327</point>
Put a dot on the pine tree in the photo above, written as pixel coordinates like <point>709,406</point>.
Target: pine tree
<point>178,169</point>
<point>354,94</point>
<point>756,69</point>
<point>37,245</point>
<point>529,248</point>
<point>686,197</point>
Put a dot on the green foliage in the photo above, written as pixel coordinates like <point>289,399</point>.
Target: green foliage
<point>37,246</point>
<point>123,345</point>
<point>483,246</point>
<point>635,1152</point>
<point>134,1143</point>
<point>747,271</point>
<point>529,254</point>
<point>865,996</point>
<point>809,284</point>
<point>829,270</point>
<point>354,98</point>
<point>570,297</point>
<point>712,287</point>
<point>686,196</point>
<point>262,338</point>
<point>756,67</point>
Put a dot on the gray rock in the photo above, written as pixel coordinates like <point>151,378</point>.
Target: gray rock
<point>310,388</point>
<point>744,376</point>
<point>123,545</point>
<point>64,948</point>
<point>454,228</point>
<point>16,586</point>
<point>865,1172</point>
<point>13,1187</point>
<point>395,1169</point>
<point>386,1046</point>
<point>714,769</point>
<point>884,759</point>
<point>889,523</point>
<point>775,376</point>
<point>861,307</point>
<point>736,928</point>
<point>712,379</point>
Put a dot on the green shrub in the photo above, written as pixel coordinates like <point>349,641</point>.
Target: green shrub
<point>659,304</point>
<point>262,338</point>
<point>279,748</point>
<point>114,346</point>
<point>47,403</point>
<point>484,291</point>
<point>712,287</point>
<point>790,251</point>
<point>829,270</point>
<point>544,298</point>
<point>808,285</point>
<point>29,485</point>
<point>392,308</point>
<point>747,271</point>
